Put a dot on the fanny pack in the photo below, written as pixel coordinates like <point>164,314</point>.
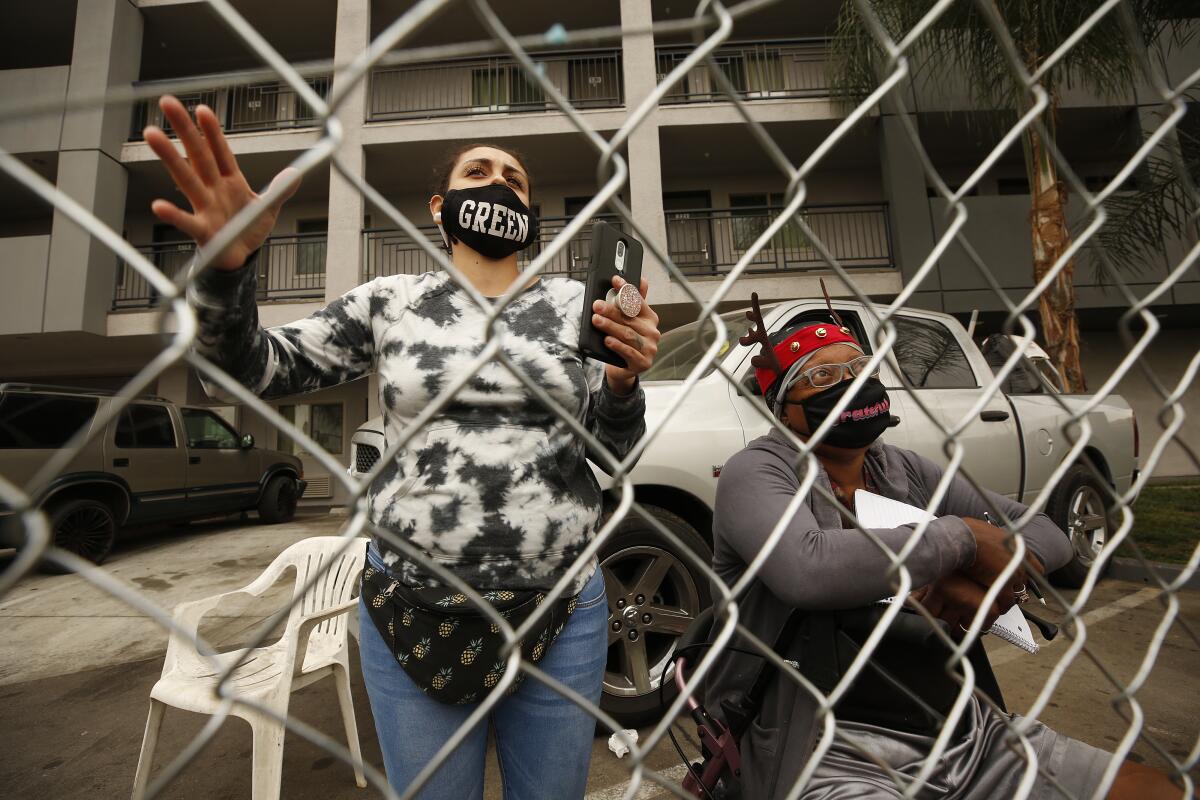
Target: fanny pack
<point>445,644</point>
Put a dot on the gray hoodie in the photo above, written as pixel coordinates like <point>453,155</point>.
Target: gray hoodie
<point>819,564</point>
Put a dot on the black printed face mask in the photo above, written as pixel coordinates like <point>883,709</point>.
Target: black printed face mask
<point>863,421</point>
<point>491,220</point>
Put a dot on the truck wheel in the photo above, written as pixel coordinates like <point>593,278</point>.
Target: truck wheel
<point>653,597</point>
<point>84,527</point>
<point>1078,507</point>
<point>278,502</point>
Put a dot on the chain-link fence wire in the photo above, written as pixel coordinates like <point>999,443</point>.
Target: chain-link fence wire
<point>710,26</point>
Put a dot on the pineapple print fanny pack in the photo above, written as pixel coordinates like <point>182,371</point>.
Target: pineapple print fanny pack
<point>445,644</point>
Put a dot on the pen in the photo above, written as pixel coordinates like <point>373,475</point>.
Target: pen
<point>987,517</point>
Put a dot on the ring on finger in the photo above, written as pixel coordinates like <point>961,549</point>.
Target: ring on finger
<point>1021,593</point>
<point>961,628</point>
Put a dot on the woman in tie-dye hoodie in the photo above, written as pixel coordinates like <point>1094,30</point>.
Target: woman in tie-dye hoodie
<point>495,487</point>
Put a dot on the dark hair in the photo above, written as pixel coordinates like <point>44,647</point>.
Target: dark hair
<point>443,172</point>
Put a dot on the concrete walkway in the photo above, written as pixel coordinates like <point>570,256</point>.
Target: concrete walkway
<point>76,667</point>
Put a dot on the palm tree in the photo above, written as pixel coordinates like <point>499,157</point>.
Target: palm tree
<point>1105,61</point>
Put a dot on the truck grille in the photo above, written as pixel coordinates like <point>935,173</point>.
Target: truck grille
<point>365,457</point>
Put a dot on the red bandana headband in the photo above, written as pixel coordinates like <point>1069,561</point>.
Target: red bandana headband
<point>773,361</point>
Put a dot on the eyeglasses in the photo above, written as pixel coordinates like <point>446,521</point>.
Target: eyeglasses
<point>823,376</point>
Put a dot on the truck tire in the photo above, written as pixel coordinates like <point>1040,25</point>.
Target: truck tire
<point>1078,507</point>
<point>84,527</point>
<point>644,579</point>
<point>278,501</point>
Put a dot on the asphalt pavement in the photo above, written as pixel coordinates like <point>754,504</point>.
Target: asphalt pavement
<point>77,665</point>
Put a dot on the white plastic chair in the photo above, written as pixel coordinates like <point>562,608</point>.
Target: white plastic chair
<point>313,646</point>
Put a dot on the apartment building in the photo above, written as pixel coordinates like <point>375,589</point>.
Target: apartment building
<point>699,184</point>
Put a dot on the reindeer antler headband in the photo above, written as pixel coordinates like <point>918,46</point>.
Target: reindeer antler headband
<point>774,361</point>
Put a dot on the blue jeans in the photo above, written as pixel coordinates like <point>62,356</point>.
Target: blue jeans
<point>543,741</point>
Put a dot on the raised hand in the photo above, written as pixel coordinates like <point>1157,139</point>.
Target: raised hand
<point>211,181</point>
<point>635,339</point>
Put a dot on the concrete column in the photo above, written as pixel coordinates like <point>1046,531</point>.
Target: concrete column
<point>173,384</point>
<point>106,53</point>
<point>909,220</point>
<point>343,260</point>
<point>645,170</point>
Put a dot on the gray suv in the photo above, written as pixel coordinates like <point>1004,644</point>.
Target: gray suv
<point>155,462</point>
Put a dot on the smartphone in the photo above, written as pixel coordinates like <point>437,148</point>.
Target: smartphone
<point>613,253</point>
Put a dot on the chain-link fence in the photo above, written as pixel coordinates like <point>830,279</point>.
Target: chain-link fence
<point>709,29</point>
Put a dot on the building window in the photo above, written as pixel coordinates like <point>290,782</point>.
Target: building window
<point>498,88</point>
<point>752,213</point>
<point>322,422</point>
<point>594,81</point>
<point>929,355</point>
<point>310,246</point>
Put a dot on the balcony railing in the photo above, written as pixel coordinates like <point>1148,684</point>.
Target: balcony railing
<point>757,70</point>
<point>704,241</point>
<point>289,268</point>
<point>268,106</point>
<point>496,85</point>
<point>388,251</point>
<point>708,241</point>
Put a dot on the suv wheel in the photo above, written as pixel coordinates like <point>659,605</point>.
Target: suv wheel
<point>654,595</point>
<point>1079,508</point>
<point>84,527</point>
<point>278,502</point>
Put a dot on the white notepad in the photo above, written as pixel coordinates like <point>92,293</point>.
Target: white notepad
<point>876,511</point>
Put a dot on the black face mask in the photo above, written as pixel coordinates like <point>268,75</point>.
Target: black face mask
<point>863,421</point>
<point>491,220</point>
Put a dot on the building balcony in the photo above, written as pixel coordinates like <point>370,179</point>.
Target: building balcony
<point>290,267</point>
<point>389,251</point>
<point>702,242</point>
<point>710,241</point>
<point>493,85</point>
<point>758,70</point>
<point>266,106</point>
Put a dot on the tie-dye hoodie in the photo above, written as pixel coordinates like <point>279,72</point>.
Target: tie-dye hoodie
<point>494,488</point>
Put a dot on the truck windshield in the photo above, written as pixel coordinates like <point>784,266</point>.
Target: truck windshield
<point>680,350</point>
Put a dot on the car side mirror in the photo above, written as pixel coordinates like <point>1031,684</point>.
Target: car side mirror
<point>247,441</point>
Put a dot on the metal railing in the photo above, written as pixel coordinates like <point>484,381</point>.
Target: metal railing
<point>495,85</point>
<point>758,70</point>
<point>290,267</point>
<point>709,241</point>
<point>267,106</point>
<point>389,251</point>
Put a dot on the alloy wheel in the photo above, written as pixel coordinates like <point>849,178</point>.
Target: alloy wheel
<point>652,599</point>
<point>85,531</point>
<point>1087,523</point>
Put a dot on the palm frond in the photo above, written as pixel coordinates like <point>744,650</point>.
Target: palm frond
<point>1141,222</point>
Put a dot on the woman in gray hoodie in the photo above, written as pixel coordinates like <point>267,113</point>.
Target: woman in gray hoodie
<point>823,564</point>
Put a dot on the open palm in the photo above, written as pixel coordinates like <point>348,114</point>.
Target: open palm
<point>211,181</point>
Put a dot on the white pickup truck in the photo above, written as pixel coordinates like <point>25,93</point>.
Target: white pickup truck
<point>1012,447</point>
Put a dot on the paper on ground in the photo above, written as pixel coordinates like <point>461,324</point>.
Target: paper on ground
<point>618,745</point>
<point>877,511</point>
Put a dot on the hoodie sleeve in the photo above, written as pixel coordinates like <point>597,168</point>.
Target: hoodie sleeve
<point>618,422</point>
<point>332,346</point>
<point>821,568</point>
<point>1045,539</point>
